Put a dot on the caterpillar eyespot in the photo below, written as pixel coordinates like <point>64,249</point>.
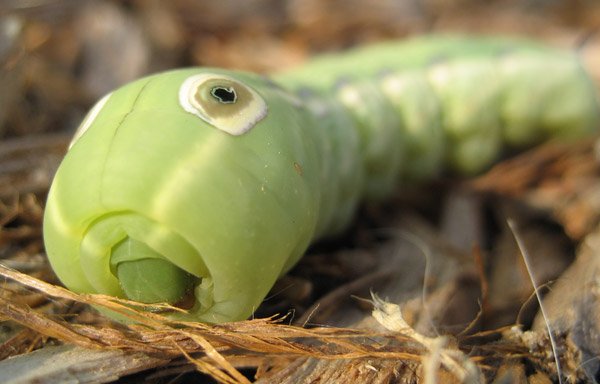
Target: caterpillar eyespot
<point>200,187</point>
<point>223,102</point>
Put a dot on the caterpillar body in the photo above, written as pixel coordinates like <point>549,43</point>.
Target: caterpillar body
<point>200,187</point>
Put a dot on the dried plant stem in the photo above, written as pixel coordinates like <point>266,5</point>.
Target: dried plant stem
<point>526,258</point>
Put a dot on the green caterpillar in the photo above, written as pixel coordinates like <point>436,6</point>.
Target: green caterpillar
<point>200,187</point>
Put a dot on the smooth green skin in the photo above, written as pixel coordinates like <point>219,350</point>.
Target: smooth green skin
<point>236,212</point>
<point>462,101</point>
<point>151,279</point>
<point>213,204</point>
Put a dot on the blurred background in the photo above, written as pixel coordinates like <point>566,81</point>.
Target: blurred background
<point>58,56</point>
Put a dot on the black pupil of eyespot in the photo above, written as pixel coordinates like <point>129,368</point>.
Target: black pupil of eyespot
<point>225,95</point>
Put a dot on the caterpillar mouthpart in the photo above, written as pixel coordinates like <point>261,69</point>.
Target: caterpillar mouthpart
<point>147,277</point>
<point>129,255</point>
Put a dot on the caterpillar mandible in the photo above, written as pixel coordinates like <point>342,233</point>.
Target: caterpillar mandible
<point>202,186</point>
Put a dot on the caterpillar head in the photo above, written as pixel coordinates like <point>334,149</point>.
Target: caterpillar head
<point>184,188</point>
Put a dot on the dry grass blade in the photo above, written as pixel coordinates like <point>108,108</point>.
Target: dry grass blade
<point>155,333</point>
<point>43,324</point>
<point>230,374</point>
<point>526,258</point>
